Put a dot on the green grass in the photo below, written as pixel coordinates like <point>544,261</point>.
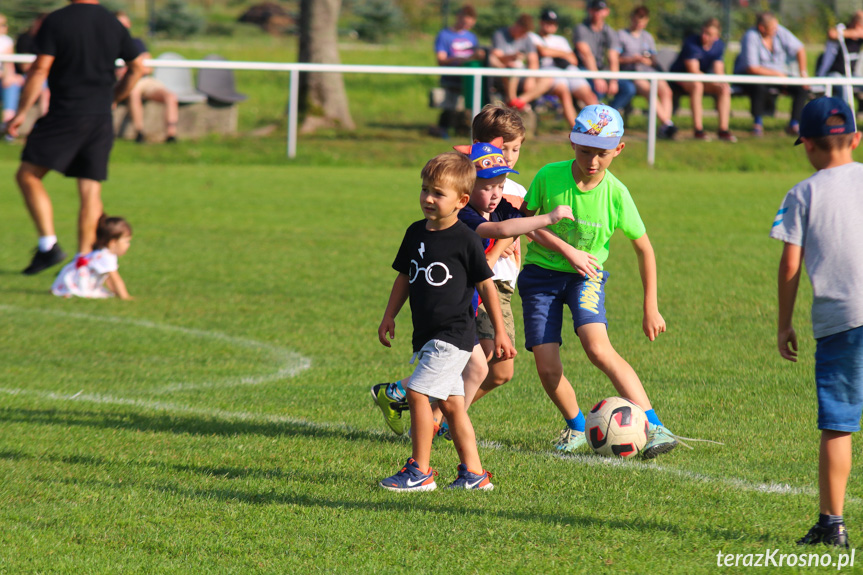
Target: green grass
<point>171,435</point>
<point>159,435</point>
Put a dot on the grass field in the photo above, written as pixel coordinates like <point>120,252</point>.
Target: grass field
<point>221,423</point>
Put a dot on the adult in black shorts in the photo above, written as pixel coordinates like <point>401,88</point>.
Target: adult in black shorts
<point>76,50</point>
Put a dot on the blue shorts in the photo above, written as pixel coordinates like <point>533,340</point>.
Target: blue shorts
<point>839,380</point>
<point>543,293</point>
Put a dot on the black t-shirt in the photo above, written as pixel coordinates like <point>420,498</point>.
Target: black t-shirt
<point>85,40</point>
<point>443,267</point>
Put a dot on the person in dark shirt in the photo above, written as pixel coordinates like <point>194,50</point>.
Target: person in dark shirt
<point>703,54</point>
<point>439,264</point>
<point>149,88</point>
<point>76,50</point>
<point>26,44</point>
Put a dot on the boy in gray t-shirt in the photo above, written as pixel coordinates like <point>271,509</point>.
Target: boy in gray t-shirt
<point>821,221</point>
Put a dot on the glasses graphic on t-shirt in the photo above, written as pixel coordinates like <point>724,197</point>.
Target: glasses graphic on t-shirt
<point>436,273</point>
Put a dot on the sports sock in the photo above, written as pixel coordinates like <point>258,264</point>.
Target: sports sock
<point>828,520</point>
<point>576,423</point>
<point>651,417</point>
<point>793,123</point>
<point>758,120</point>
<point>46,243</point>
<point>395,391</point>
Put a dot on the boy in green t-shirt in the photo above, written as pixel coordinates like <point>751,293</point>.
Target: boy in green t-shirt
<point>601,204</point>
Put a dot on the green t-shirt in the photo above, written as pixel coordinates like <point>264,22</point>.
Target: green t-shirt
<point>597,212</point>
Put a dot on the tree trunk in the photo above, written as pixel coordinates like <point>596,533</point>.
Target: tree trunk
<point>323,101</point>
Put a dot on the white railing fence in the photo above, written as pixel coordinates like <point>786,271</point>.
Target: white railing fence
<point>478,74</point>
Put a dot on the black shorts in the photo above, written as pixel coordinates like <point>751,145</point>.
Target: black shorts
<point>75,146</point>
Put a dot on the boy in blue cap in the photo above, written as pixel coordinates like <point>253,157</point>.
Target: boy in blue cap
<point>821,221</point>
<point>601,204</point>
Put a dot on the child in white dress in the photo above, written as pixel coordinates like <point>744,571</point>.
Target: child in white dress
<point>95,275</point>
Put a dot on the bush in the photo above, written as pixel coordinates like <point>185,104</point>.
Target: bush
<point>175,19</point>
<point>502,13</point>
<point>378,19</point>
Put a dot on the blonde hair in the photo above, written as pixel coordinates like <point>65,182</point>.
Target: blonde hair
<point>450,169</point>
<point>498,121</point>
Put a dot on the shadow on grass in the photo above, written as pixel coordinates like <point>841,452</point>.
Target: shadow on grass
<point>283,496</point>
<point>190,424</point>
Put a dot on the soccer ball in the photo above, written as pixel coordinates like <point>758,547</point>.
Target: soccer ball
<point>616,426</point>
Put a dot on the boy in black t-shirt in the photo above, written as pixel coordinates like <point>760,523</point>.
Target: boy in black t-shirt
<point>440,263</point>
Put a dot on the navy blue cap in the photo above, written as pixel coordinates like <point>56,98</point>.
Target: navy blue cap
<point>813,120</point>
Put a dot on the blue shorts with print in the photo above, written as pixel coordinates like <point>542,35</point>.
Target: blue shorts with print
<point>839,380</point>
<point>543,293</point>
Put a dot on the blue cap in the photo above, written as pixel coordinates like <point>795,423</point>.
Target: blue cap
<point>487,159</point>
<point>597,126</point>
<point>813,120</point>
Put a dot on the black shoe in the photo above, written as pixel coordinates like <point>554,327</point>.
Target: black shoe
<point>171,140</point>
<point>668,132</point>
<point>139,139</point>
<point>44,260</point>
<point>836,536</point>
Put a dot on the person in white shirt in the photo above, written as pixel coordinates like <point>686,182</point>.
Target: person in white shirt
<point>555,53</point>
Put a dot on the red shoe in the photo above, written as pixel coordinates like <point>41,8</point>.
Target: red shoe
<point>517,103</point>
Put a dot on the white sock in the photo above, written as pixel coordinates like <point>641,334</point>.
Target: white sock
<point>46,243</point>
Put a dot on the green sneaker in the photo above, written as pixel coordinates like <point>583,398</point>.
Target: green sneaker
<point>391,409</point>
<point>570,440</point>
<point>443,433</point>
<point>659,440</point>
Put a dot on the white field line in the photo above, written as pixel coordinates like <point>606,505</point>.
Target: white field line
<point>290,363</point>
<point>732,483</point>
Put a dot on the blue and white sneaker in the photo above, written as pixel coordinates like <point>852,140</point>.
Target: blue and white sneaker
<point>469,480</point>
<point>659,440</point>
<point>570,440</point>
<point>410,478</point>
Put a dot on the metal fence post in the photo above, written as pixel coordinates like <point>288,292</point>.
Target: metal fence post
<point>293,111</point>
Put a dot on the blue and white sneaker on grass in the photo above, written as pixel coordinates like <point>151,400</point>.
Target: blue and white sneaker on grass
<point>570,440</point>
<point>659,440</point>
<point>391,408</point>
<point>410,478</point>
<point>469,480</point>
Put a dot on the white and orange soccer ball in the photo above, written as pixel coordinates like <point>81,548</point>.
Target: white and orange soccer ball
<point>616,427</point>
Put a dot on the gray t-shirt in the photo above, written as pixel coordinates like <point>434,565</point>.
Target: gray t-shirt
<point>599,42</point>
<point>632,46</point>
<point>753,52</point>
<point>824,215</point>
<point>502,40</point>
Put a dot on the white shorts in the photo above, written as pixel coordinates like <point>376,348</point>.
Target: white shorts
<point>438,371</point>
<point>573,83</point>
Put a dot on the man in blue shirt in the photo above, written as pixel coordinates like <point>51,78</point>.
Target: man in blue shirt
<point>703,54</point>
<point>456,46</point>
<point>769,49</point>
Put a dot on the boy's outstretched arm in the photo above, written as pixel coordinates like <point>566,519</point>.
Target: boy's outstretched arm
<point>789,280</point>
<point>653,323</point>
<point>519,226</point>
<point>398,297</point>
<point>582,262</point>
<point>503,348</point>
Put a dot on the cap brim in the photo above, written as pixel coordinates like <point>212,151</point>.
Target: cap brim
<point>494,172</point>
<point>602,142</point>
